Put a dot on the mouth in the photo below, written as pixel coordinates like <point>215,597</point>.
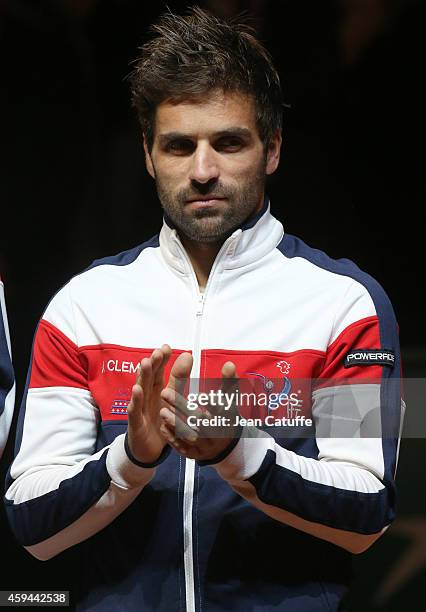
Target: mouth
<point>201,201</point>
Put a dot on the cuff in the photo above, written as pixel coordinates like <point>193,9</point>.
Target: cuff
<point>124,472</point>
<point>226,451</point>
<point>164,453</point>
<point>246,456</point>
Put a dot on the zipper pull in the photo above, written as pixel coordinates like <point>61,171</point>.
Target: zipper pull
<point>200,305</point>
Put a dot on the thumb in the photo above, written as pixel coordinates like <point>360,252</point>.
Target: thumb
<point>230,381</point>
<point>229,370</point>
<point>180,372</point>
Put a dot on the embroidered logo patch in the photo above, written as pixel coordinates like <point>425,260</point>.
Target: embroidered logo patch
<point>119,406</point>
<point>283,366</point>
<point>365,357</point>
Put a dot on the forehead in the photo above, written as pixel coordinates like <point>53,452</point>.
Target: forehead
<point>214,112</point>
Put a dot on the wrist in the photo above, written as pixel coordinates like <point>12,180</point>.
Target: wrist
<point>148,460</point>
<point>229,447</point>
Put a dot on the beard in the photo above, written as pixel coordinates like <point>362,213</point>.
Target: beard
<point>214,224</point>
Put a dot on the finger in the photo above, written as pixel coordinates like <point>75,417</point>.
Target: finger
<point>176,401</point>
<point>192,451</point>
<point>134,409</point>
<point>168,434</point>
<point>179,445</point>
<point>179,428</point>
<point>156,359</point>
<point>146,379</point>
<point>229,369</point>
<point>178,405</point>
<point>176,419</point>
<point>180,372</point>
<point>230,380</point>
<point>188,450</point>
<point>229,375</point>
<point>143,364</point>
<point>229,385</point>
<point>160,360</point>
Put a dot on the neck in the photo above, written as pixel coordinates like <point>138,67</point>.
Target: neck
<point>202,256</point>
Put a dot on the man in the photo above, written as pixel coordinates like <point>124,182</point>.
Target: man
<point>7,379</point>
<point>167,514</point>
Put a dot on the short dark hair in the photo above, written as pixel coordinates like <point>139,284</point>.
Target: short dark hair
<point>193,54</point>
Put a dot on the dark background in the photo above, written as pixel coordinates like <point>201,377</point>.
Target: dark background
<point>73,185</point>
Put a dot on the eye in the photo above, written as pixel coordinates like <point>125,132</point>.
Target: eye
<point>229,144</point>
<point>180,146</point>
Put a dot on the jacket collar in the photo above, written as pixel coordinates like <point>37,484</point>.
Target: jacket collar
<point>258,235</point>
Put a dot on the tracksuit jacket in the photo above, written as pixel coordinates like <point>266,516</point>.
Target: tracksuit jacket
<point>234,533</point>
<point>7,378</point>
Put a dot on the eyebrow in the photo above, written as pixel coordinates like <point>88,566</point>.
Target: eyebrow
<point>164,139</point>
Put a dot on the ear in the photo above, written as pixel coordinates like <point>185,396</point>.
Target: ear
<point>148,161</point>
<point>273,152</point>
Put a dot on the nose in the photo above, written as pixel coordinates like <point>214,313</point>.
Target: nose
<point>204,166</point>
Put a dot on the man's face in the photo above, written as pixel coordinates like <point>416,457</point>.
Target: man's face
<point>209,163</point>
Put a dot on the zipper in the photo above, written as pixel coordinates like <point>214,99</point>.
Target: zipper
<point>188,493</point>
<point>200,305</point>
<point>188,553</point>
